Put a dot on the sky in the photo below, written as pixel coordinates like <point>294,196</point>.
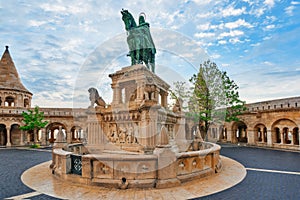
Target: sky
<point>62,47</point>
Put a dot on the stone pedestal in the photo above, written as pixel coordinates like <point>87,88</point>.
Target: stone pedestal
<point>60,141</point>
<point>166,168</point>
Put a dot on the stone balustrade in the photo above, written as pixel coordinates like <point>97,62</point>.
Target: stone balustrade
<point>287,103</point>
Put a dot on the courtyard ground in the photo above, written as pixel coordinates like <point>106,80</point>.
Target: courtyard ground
<point>271,174</point>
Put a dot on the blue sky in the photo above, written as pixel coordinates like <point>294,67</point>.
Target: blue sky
<point>56,43</point>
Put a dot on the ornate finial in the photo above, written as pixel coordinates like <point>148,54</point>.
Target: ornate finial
<point>6,47</point>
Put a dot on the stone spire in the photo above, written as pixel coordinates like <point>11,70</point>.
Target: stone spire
<point>9,77</point>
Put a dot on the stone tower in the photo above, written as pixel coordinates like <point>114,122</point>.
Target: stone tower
<point>12,91</point>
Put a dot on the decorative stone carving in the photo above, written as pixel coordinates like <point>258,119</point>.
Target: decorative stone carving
<point>163,137</point>
<point>95,98</point>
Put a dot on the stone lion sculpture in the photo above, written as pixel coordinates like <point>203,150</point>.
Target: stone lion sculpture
<point>95,98</point>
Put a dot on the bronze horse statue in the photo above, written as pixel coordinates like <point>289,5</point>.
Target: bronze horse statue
<point>139,40</point>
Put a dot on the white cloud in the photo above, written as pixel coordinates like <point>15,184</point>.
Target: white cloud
<point>204,35</point>
<point>235,40</point>
<point>268,63</point>
<point>271,26</point>
<point>258,11</point>
<point>36,23</point>
<point>269,3</point>
<point>238,23</point>
<point>271,18</point>
<point>255,45</point>
<point>267,38</point>
<point>295,3</point>
<point>249,2</point>
<point>65,9</point>
<point>201,2</point>
<point>205,15</point>
<point>232,33</point>
<point>215,56</point>
<point>231,11</point>
<point>222,42</point>
<point>225,65</point>
<point>289,10</point>
<point>203,27</point>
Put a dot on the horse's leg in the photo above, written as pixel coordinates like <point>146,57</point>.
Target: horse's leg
<point>132,56</point>
<point>152,62</point>
<point>146,58</point>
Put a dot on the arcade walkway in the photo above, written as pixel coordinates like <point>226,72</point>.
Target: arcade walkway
<point>271,174</point>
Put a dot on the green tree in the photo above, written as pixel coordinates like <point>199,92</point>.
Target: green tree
<point>33,120</point>
<point>214,98</point>
<point>180,92</point>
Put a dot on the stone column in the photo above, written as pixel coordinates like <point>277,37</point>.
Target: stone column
<point>43,139</point>
<point>269,137</point>
<point>139,93</point>
<point>35,135</point>
<point>251,137</point>
<point>293,141</point>
<point>69,137</point>
<point>119,95</point>
<point>22,138</point>
<point>229,135</point>
<point>77,134</point>
<point>8,143</point>
<point>282,137</point>
<point>263,136</point>
<point>156,94</point>
<point>233,136</point>
<point>165,99</point>
<point>28,137</point>
<point>116,94</point>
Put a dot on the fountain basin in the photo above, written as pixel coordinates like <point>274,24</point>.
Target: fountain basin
<point>162,169</point>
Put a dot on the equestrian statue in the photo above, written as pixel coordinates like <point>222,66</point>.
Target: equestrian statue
<point>139,40</point>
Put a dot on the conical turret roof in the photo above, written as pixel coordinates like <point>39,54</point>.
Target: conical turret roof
<point>9,77</point>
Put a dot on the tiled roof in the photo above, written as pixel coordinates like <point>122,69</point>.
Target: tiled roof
<point>9,77</point>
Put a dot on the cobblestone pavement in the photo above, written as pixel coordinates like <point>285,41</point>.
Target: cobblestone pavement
<point>271,174</point>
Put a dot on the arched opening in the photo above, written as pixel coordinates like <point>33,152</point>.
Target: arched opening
<point>265,135</point>
<point>9,101</point>
<point>214,132</point>
<point>224,133</point>
<point>284,131</point>
<point>286,135</point>
<point>277,135</point>
<point>77,133</point>
<point>0,101</point>
<point>26,103</point>
<point>53,129</point>
<point>3,135</point>
<point>260,133</point>
<point>15,134</point>
<point>240,132</point>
